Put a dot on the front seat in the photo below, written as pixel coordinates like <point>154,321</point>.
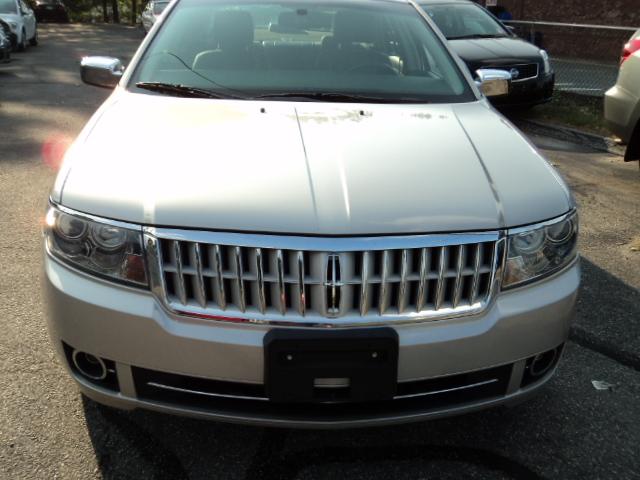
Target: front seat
<point>353,44</point>
<point>232,34</point>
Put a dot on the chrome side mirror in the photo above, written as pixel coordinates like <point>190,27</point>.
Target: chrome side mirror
<point>101,71</point>
<point>493,83</point>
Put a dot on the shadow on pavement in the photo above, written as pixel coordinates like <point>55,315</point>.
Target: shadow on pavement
<point>534,440</point>
<point>608,318</point>
<point>128,445</point>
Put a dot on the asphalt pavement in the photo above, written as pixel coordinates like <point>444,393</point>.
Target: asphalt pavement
<point>47,430</point>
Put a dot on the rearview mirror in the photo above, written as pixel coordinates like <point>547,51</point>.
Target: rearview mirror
<point>101,71</point>
<point>493,83</point>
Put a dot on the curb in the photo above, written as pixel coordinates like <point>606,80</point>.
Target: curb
<point>560,132</point>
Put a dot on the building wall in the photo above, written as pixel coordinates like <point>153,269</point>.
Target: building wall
<point>597,12</point>
<point>591,44</point>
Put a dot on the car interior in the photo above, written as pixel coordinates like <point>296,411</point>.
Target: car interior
<point>286,48</point>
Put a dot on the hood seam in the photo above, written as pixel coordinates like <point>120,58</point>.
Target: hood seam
<point>492,185</point>
<point>308,168</point>
<point>100,113</point>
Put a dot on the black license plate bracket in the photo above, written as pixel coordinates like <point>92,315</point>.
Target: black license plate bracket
<point>331,366</point>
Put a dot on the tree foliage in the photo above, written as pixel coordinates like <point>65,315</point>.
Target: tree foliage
<point>105,10</point>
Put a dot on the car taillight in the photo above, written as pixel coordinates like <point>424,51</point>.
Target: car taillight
<point>630,48</point>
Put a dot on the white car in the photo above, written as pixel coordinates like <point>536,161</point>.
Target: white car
<point>622,101</point>
<point>22,21</point>
<point>331,228</point>
<point>151,14</point>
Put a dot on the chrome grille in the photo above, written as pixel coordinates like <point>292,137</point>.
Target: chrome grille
<point>331,283</point>
<point>526,71</point>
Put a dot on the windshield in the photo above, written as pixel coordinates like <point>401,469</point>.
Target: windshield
<point>158,7</point>
<point>8,6</point>
<point>374,49</point>
<point>464,21</point>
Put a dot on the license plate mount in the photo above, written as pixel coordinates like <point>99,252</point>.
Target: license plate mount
<point>317,366</point>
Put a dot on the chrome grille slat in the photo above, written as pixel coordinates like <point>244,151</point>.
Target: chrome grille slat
<point>222,296</point>
<point>239,279</point>
<point>282,294</point>
<point>384,285</point>
<point>369,286</point>
<point>440,289</point>
<point>364,285</point>
<point>402,291</point>
<point>457,289</point>
<point>422,287</point>
<point>476,274</point>
<point>200,292</point>
<point>180,287</point>
<point>262,304</point>
<point>301,288</point>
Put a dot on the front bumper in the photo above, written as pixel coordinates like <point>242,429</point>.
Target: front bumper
<point>132,329</point>
<point>620,111</point>
<point>528,92</point>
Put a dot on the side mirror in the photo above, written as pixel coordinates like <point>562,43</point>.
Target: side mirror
<point>512,30</point>
<point>101,71</point>
<point>493,83</point>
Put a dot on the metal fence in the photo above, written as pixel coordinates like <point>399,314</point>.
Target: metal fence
<point>586,58</point>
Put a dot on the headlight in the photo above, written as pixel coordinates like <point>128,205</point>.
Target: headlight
<point>540,251</point>
<point>546,65</point>
<point>101,248</point>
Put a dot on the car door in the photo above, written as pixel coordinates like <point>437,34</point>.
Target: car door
<point>29,19</point>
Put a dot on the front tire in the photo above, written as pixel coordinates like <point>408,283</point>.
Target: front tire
<point>34,41</point>
<point>633,148</point>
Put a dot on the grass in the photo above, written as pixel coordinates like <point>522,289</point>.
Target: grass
<point>574,111</point>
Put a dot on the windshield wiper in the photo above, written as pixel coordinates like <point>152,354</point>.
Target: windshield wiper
<point>179,90</point>
<point>478,35</point>
<point>341,97</point>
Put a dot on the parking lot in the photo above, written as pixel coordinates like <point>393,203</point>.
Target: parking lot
<point>47,430</point>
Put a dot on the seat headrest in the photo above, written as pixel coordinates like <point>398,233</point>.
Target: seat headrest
<point>350,26</point>
<point>233,29</point>
<point>288,22</point>
<point>288,19</point>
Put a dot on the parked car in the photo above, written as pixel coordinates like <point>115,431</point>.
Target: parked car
<point>331,228</point>
<point>622,101</point>
<point>5,45</point>
<point>21,21</point>
<point>8,41</point>
<point>51,11</point>
<point>482,41</point>
<point>151,13</point>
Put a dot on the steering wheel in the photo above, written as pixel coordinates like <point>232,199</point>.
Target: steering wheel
<point>374,68</point>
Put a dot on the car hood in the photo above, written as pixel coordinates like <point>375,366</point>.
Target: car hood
<point>495,51</point>
<point>307,168</point>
